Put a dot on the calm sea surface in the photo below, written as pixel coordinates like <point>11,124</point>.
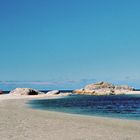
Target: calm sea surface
<point>118,106</point>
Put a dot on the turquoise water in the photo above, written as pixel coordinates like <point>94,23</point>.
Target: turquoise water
<point>118,106</point>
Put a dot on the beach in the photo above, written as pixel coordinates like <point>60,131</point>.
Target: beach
<point>19,122</point>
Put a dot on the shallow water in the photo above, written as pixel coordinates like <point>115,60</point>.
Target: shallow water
<point>118,106</point>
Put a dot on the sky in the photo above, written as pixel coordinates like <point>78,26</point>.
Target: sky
<point>69,41</point>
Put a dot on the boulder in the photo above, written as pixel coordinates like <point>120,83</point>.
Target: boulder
<point>65,94</point>
<point>25,91</point>
<point>53,92</point>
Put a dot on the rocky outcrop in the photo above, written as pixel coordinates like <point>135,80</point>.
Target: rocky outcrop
<point>29,91</point>
<point>25,91</point>
<point>103,88</point>
<point>99,85</point>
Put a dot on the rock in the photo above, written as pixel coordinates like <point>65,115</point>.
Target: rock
<point>53,92</point>
<point>103,88</point>
<point>65,94</point>
<point>125,87</point>
<point>99,85</point>
<point>79,91</point>
<point>1,92</point>
<point>84,91</point>
<point>25,91</point>
<point>58,93</point>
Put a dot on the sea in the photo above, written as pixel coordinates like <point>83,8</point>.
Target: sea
<point>114,106</point>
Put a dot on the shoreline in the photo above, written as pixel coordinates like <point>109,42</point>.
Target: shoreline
<point>18,121</point>
<point>133,92</point>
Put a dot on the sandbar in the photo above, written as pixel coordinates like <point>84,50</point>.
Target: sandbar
<point>20,122</point>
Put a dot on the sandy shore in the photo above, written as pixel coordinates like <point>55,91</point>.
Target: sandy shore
<point>18,122</point>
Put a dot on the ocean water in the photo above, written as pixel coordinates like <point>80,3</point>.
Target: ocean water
<point>116,106</point>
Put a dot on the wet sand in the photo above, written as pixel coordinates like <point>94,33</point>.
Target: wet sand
<point>19,122</point>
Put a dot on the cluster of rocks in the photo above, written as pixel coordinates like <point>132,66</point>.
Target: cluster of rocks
<point>25,91</point>
<point>29,91</point>
<point>103,88</point>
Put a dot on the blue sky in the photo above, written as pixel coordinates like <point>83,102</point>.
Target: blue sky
<point>70,40</point>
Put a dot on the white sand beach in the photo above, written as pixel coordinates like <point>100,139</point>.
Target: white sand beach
<point>19,122</point>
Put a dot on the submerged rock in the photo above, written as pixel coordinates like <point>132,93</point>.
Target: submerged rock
<point>25,91</point>
<point>103,88</point>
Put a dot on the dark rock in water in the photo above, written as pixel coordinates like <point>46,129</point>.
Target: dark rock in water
<point>103,88</point>
<point>1,92</point>
<point>25,91</point>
